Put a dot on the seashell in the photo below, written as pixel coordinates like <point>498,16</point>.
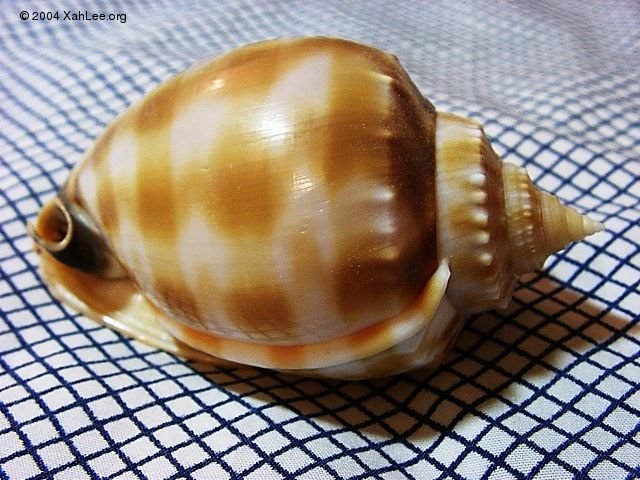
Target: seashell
<point>296,205</point>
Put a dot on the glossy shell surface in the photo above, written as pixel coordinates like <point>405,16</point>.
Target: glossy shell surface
<point>282,193</point>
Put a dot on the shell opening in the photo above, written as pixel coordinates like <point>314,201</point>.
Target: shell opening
<point>70,236</point>
<point>53,228</point>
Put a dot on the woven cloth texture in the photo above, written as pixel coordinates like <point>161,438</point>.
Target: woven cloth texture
<point>547,388</point>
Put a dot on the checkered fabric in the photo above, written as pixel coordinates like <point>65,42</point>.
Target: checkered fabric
<point>547,388</point>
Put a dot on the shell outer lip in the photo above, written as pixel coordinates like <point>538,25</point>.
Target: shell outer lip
<point>137,318</point>
<point>358,345</point>
<point>124,308</point>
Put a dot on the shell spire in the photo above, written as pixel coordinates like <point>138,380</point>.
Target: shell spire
<point>493,223</point>
<point>562,224</point>
<point>538,223</point>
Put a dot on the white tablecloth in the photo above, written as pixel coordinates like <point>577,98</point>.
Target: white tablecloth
<point>547,388</point>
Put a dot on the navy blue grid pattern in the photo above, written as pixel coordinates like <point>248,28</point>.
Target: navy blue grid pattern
<point>547,388</point>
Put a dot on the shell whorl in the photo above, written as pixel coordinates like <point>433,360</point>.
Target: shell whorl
<point>471,222</point>
<point>494,224</point>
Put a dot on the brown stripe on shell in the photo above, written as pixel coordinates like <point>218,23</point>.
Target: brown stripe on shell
<point>246,194</point>
<point>412,148</point>
<point>155,196</point>
<point>246,183</point>
<point>105,191</point>
<point>247,71</point>
<point>260,309</point>
<point>355,134</point>
<point>157,201</point>
<point>235,181</point>
<point>370,287</point>
<point>385,142</point>
<point>413,162</point>
<point>177,299</point>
